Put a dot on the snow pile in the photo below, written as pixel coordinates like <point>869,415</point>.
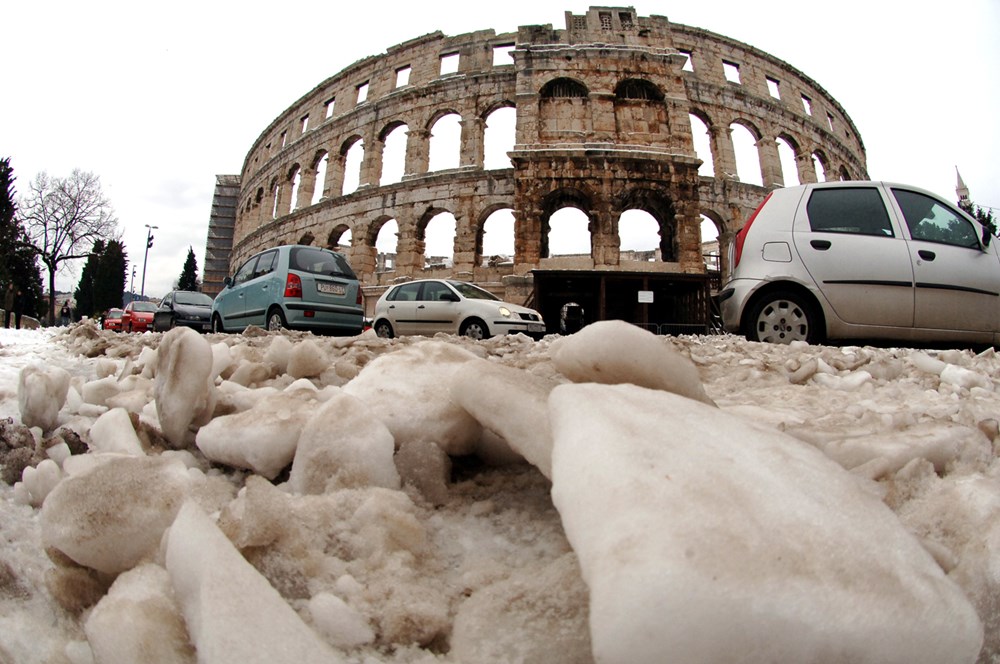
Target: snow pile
<point>609,496</point>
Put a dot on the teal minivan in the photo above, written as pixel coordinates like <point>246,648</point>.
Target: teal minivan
<point>294,286</point>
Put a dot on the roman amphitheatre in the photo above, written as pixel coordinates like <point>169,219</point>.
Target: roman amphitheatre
<point>632,122</point>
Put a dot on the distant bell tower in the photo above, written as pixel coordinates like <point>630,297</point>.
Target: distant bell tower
<point>962,191</point>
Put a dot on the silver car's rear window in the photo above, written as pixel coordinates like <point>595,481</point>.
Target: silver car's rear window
<point>858,210</point>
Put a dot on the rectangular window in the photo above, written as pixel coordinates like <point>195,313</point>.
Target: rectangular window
<point>503,55</point>
<point>689,65</point>
<point>807,105</point>
<point>449,64</point>
<point>284,137</point>
<point>305,123</point>
<point>362,93</point>
<point>605,21</point>
<point>328,105</point>
<point>829,120</point>
<point>732,71</point>
<point>774,87</point>
<point>626,20</point>
<point>580,23</point>
<point>403,76</point>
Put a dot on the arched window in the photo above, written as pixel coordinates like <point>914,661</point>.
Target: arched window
<point>702,145</point>
<point>385,246</point>
<point>563,88</point>
<point>638,231</point>
<point>394,155</point>
<point>320,183</point>
<point>747,155</point>
<point>568,233</point>
<point>445,143</point>
<point>296,178</point>
<point>820,167</point>
<point>637,88</point>
<point>352,167</point>
<point>439,240</point>
<point>499,138</point>
<point>789,166</point>
<point>497,241</point>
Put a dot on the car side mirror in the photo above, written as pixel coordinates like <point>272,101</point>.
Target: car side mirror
<point>227,282</point>
<point>449,297</point>
<point>987,236</point>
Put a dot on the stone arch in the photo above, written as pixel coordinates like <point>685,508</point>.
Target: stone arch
<point>394,139</point>
<point>563,110</point>
<point>638,89</point>
<point>352,156</point>
<point>746,151</point>
<point>844,173</point>
<point>639,109</point>
<point>484,218</point>
<point>499,137</point>
<point>318,169</point>
<point>445,140</point>
<point>821,164</point>
<point>558,199</point>
<point>703,141</point>
<point>661,208</point>
<point>306,238</point>
<point>788,158</point>
<point>333,239</point>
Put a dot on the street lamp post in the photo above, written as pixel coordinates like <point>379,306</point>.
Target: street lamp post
<point>131,287</point>
<point>149,243</point>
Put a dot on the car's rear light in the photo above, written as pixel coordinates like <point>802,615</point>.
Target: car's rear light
<point>309,313</point>
<point>741,235</point>
<point>293,286</point>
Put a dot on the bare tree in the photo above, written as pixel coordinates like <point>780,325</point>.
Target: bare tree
<point>62,218</point>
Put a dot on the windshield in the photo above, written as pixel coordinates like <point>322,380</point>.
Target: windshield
<point>198,299</point>
<point>319,261</point>
<point>473,292</point>
<point>143,306</point>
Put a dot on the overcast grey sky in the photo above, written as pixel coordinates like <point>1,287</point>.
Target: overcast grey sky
<point>158,99</point>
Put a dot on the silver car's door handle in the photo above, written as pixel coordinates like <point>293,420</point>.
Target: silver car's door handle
<point>420,306</point>
<point>926,255</point>
<point>822,245</point>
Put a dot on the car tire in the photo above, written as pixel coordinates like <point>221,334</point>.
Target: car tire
<point>383,329</point>
<point>217,324</point>
<point>275,320</point>
<point>475,329</point>
<point>172,324</point>
<point>782,317</point>
<point>130,326</point>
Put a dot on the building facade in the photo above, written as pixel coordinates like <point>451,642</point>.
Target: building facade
<point>604,110</point>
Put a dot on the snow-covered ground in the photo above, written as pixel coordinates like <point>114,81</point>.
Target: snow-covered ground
<point>609,496</point>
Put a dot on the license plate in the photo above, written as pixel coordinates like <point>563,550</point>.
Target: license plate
<point>536,328</point>
<point>331,289</point>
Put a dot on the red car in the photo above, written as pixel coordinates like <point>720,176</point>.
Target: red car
<point>112,320</point>
<point>138,316</point>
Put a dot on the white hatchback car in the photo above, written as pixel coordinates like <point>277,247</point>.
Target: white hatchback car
<point>862,260</point>
<point>429,306</point>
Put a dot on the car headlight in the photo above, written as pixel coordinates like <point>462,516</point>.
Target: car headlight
<point>505,312</point>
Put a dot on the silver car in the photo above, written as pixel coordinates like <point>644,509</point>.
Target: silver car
<point>862,260</point>
<point>429,306</point>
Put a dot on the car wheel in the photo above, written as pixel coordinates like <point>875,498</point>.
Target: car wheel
<point>275,320</point>
<point>782,317</point>
<point>384,329</point>
<point>217,324</point>
<point>130,326</point>
<point>172,324</point>
<point>475,329</point>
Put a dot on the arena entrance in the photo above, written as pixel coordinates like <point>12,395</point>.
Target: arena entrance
<point>664,303</point>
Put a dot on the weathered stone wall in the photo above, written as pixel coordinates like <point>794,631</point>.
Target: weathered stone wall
<point>602,124</point>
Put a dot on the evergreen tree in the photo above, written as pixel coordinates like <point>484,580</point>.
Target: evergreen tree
<point>188,280</point>
<point>112,274</point>
<point>18,264</point>
<point>86,291</point>
<point>102,281</point>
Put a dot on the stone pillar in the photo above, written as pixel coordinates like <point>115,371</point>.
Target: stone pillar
<point>307,185</point>
<point>770,163</point>
<point>464,256</point>
<point>723,153</point>
<point>418,149</point>
<point>335,176</point>
<point>473,141</point>
<point>371,167</point>
<point>605,245</point>
<point>804,164</point>
<point>362,259</point>
<point>527,235</point>
<point>409,249</point>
